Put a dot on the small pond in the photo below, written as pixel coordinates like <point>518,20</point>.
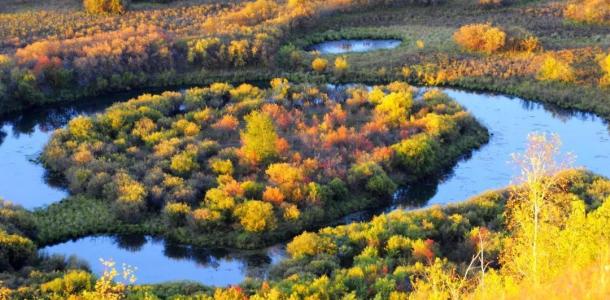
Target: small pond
<point>157,261</point>
<point>346,46</point>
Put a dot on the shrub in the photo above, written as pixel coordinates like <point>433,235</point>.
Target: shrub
<point>480,38</point>
<point>15,251</point>
<point>256,216</point>
<point>105,6</point>
<point>71,283</point>
<point>273,195</point>
<point>394,108</point>
<point>417,154</point>
<point>176,213</point>
<point>553,69</point>
<point>341,65</point>
<point>381,184</point>
<point>309,244</point>
<point>319,64</point>
<point>222,167</point>
<point>184,162</point>
<point>291,212</point>
<point>589,11</point>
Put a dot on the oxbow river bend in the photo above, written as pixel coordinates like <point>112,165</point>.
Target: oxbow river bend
<point>508,119</point>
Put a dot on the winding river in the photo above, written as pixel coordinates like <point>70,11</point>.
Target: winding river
<point>509,120</point>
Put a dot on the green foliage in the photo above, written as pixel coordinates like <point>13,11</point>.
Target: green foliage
<point>72,218</point>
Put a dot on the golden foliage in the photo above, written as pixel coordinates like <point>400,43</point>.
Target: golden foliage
<point>105,6</point>
<point>604,63</point>
<point>480,37</point>
<point>309,244</point>
<point>256,216</point>
<point>590,11</point>
<point>341,64</point>
<point>319,64</point>
<point>553,69</point>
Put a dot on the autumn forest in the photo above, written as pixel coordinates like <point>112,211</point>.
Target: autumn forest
<point>304,149</point>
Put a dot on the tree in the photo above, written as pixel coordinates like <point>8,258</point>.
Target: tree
<point>238,52</point>
<point>256,216</point>
<point>534,211</point>
<point>259,139</point>
<point>105,6</point>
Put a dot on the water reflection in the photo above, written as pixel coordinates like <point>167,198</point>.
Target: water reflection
<point>159,261</point>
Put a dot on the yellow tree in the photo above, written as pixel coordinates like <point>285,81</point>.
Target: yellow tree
<point>259,140</point>
<point>534,210</point>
